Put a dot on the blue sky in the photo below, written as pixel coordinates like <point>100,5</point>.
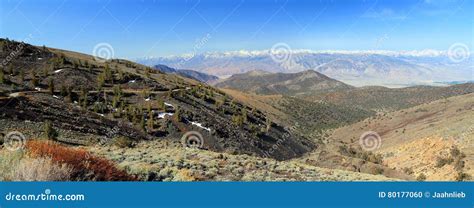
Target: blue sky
<point>165,27</point>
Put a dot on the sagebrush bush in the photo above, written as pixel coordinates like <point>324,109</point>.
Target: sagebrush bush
<point>9,160</point>
<point>441,161</point>
<point>460,176</point>
<point>123,142</point>
<point>85,166</point>
<point>40,169</point>
<point>421,177</point>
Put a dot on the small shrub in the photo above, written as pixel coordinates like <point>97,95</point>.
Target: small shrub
<point>184,175</point>
<point>462,177</point>
<point>2,77</point>
<point>40,169</point>
<point>51,86</point>
<point>408,171</point>
<point>455,152</point>
<point>49,131</point>
<point>458,164</point>
<point>421,177</point>
<point>377,170</point>
<point>123,142</point>
<point>440,161</point>
<point>9,160</point>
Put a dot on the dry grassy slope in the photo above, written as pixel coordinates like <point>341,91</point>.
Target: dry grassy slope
<point>327,154</point>
<point>158,161</point>
<point>415,137</point>
<point>384,99</point>
<point>260,102</point>
<point>309,118</point>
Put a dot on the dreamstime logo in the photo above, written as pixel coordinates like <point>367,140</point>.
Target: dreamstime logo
<point>281,52</point>
<point>192,139</point>
<point>109,135</point>
<point>102,52</point>
<point>370,141</point>
<point>14,141</point>
<point>458,52</point>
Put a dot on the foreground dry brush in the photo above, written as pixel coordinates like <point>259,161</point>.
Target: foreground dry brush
<point>84,166</point>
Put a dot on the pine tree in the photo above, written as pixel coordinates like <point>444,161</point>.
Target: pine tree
<point>107,73</point>
<point>34,81</point>
<point>120,75</point>
<point>100,82</point>
<point>268,124</point>
<point>49,131</point>
<point>10,69</point>
<point>51,86</point>
<point>161,104</point>
<point>63,91</point>
<point>22,76</point>
<point>68,94</point>
<point>177,114</point>
<point>244,115</point>
<point>142,123</point>
<point>147,73</point>
<point>46,71</point>
<point>83,98</point>
<point>2,77</point>
<point>148,108</point>
<point>150,120</point>
<point>145,93</point>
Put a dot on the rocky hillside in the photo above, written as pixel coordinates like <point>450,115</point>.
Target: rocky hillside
<point>260,82</point>
<point>432,141</point>
<point>199,76</point>
<point>389,99</point>
<point>88,100</point>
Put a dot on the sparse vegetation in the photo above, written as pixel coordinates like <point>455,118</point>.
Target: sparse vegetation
<point>359,153</point>
<point>421,177</point>
<point>40,169</point>
<point>170,164</point>
<point>440,161</point>
<point>408,171</point>
<point>51,86</point>
<point>2,77</point>
<point>123,142</point>
<point>49,131</point>
<point>461,176</point>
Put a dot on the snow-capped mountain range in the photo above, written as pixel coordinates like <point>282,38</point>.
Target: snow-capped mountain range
<point>359,68</point>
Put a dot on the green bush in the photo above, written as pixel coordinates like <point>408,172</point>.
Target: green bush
<point>421,177</point>
<point>440,161</point>
<point>49,131</point>
<point>123,142</point>
<point>462,177</point>
<point>408,171</point>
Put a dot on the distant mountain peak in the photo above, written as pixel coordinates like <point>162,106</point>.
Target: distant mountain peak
<point>262,82</point>
<point>358,68</point>
<point>256,73</point>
